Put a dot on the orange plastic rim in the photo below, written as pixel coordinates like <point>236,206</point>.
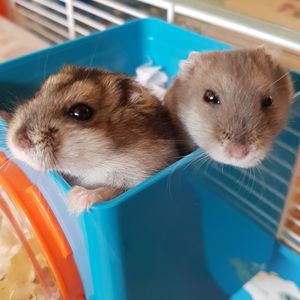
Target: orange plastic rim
<point>47,231</point>
<point>3,8</point>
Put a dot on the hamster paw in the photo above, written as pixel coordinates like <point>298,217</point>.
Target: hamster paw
<point>81,199</point>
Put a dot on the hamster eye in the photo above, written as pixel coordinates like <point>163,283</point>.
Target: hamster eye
<point>80,112</point>
<point>267,102</point>
<point>210,97</point>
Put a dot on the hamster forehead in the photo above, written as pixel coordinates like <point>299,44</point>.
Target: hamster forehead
<point>65,89</point>
<point>241,79</point>
<point>73,85</point>
<point>235,75</point>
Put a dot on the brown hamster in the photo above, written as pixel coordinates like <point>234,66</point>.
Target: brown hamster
<point>232,104</point>
<point>101,128</point>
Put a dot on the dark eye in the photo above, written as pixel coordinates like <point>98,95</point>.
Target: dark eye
<point>80,112</point>
<point>210,97</point>
<point>266,102</point>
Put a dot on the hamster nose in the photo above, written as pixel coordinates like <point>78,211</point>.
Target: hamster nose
<point>237,150</point>
<point>22,138</point>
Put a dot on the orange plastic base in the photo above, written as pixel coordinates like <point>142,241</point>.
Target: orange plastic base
<point>48,233</point>
<point>3,8</point>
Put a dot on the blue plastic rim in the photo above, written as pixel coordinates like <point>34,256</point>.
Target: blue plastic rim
<point>190,231</point>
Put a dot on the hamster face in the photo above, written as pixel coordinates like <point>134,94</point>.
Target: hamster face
<point>233,104</point>
<point>71,124</point>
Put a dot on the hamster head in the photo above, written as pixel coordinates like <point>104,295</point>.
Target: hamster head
<point>68,125</point>
<point>234,103</point>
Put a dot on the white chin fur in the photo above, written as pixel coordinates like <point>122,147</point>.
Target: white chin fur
<point>253,159</point>
<point>241,163</point>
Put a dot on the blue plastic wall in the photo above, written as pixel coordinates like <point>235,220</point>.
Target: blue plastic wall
<point>180,235</point>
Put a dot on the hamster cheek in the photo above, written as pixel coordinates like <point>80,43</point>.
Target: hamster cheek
<point>216,152</point>
<point>81,199</point>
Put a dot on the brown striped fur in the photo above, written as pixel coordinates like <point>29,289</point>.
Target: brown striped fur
<point>129,137</point>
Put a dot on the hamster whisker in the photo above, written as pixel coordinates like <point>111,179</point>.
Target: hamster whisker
<point>261,178</point>
<point>278,87</point>
<point>207,165</point>
<point>4,164</point>
<point>252,172</point>
<point>261,181</point>
<point>251,176</point>
<point>201,161</point>
<point>241,179</point>
<point>280,78</point>
<point>170,181</point>
<point>45,64</point>
<point>195,161</point>
<point>94,52</point>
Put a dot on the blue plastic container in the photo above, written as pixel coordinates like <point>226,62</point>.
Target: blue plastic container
<point>187,233</point>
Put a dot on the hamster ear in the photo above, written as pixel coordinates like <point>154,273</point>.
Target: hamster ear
<point>274,54</point>
<point>5,116</point>
<point>136,93</point>
<point>126,91</point>
<point>186,67</point>
<point>68,68</point>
